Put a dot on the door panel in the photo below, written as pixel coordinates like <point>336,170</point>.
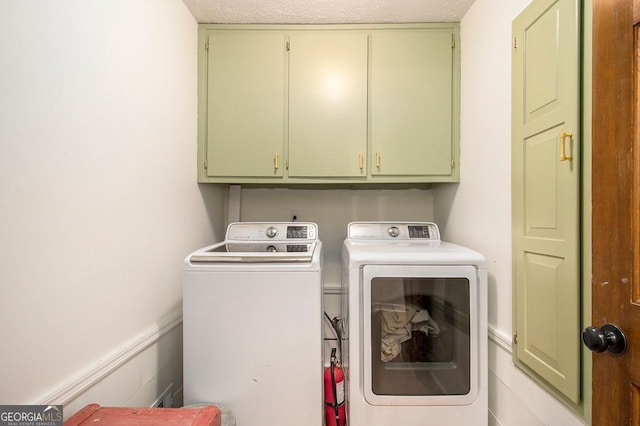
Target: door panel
<point>541,184</point>
<point>544,308</point>
<point>541,94</point>
<point>545,194</point>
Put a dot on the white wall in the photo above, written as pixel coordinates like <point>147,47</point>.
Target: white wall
<point>99,201</point>
<point>477,212</point>
<point>332,210</point>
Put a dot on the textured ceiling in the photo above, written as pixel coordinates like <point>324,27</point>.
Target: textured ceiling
<point>326,11</point>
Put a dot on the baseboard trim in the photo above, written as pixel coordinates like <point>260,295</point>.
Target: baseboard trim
<point>65,394</point>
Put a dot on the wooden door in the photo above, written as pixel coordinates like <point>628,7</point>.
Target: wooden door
<point>546,165</point>
<point>616,194</point>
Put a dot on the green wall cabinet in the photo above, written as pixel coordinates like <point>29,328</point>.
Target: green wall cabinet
<point>245,104</point>
<point>412,103</point>
<point>331,104</point>
<point>327,104</point>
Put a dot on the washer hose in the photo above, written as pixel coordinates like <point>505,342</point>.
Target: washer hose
<point>337,330</point>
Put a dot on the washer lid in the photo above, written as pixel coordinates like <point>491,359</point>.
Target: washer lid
<point>256,252</point>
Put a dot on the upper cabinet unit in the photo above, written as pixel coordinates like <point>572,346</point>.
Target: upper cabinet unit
<point>337,104</point>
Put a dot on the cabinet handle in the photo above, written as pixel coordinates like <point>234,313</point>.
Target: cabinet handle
<point>377,159</point>
<point>275,161</point>
<point>360,161</point>
<point>563,153</point>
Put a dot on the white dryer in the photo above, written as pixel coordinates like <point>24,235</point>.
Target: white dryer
<point>416,323</point>
<point>253,324</point>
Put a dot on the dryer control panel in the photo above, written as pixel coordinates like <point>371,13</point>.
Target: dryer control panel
<point>406,231</point>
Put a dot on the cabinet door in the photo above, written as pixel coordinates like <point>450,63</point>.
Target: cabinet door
<point>245,103</point>
<point>412,102</point>
<point>328,105</point>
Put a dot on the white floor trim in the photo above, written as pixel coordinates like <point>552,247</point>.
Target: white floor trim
<point>89,378</point>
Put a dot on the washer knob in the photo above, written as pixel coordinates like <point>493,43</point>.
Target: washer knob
<point>272,249</point>
<point>393,231</point>
<point>271,232</point>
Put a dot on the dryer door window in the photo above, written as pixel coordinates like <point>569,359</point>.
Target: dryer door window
<point>420,335</point>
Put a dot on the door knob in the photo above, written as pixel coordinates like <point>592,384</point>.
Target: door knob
<point>608,338</point>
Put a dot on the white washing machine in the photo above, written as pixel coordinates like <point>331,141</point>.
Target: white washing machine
<point>416,323</point>
<point>253,324</point>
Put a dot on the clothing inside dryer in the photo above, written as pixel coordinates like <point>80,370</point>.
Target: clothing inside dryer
<point>420,336</point>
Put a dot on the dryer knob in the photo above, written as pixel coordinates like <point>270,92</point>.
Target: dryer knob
<point>394,231</point>
<point>271,232</point>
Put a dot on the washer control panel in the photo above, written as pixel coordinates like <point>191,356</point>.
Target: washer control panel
<point>403,231</point>
<point>272,231</point>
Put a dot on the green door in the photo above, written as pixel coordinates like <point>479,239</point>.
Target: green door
<point>545,193</point>
<point>245,103</point>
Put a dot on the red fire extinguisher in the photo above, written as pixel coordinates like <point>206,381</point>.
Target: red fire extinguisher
<point>335,413</point>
